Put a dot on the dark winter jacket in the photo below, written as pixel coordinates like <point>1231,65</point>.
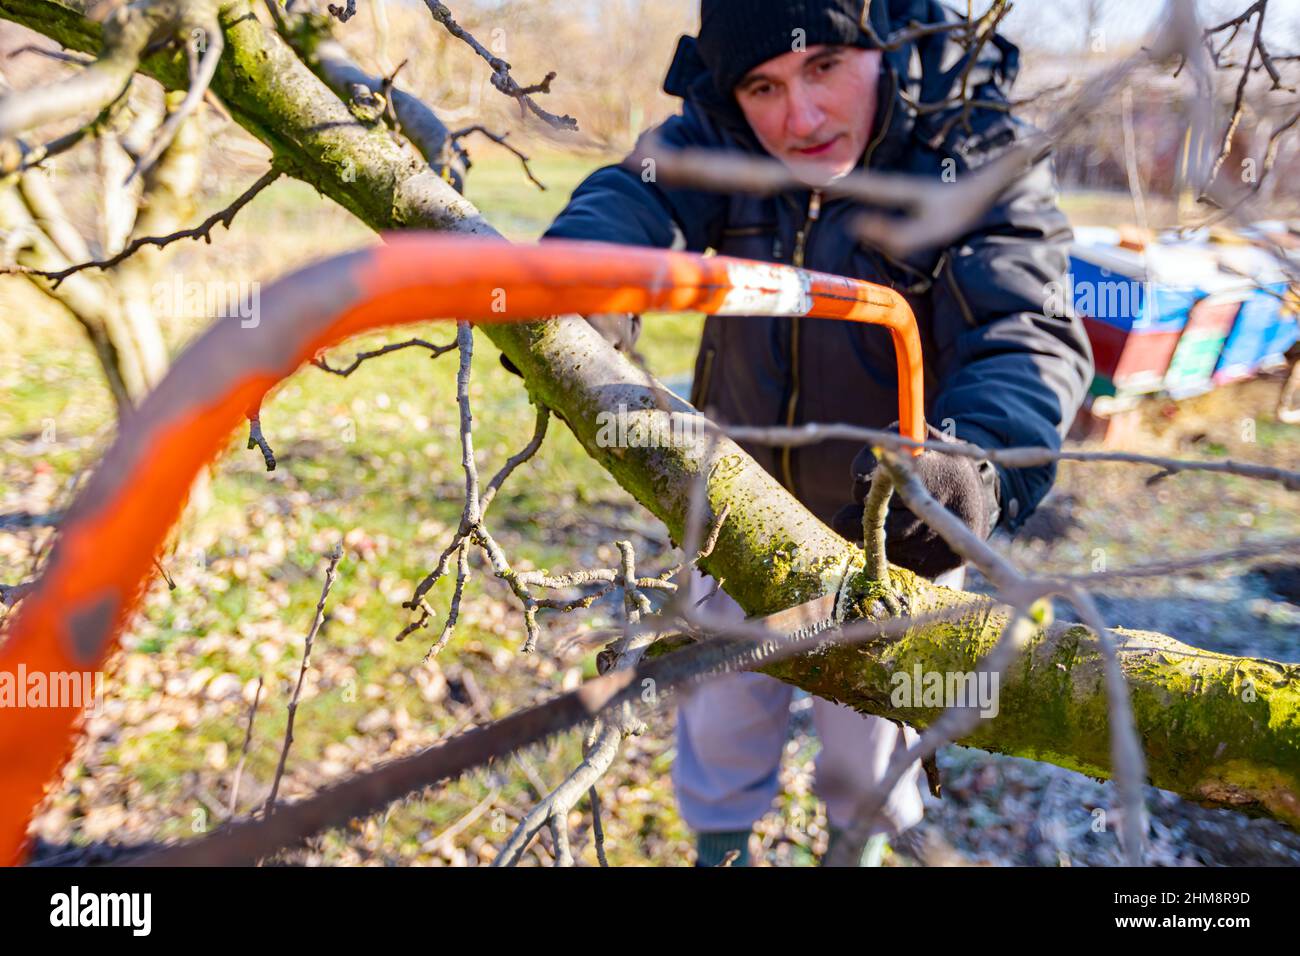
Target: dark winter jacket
<point>1002,370</point>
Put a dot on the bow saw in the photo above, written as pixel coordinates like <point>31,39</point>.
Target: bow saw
<point>70,620</point>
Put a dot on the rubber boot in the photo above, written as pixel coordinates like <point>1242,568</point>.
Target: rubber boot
<point>711,849</point>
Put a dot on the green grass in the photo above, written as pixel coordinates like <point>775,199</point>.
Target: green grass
<point>497,185</point>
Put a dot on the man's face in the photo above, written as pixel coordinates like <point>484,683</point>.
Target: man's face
<point>813,109</point>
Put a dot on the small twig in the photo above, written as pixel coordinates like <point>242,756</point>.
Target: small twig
<point>453,613</point>
<point>560,835</point>
<point>302,674</point>
<point>874,512</point>
<point>711,541</point>
<point>1163,569</point>
<point>472,528</point>
<point>257,440</point>
<point>201,231</point>
<point>597,828</point>
<point>1270,158</point>
<point>465,342</point>
<point>698,505</point>
<point>427,613</point>
<point>243,751</point>
<point>1027,457</point>
<point>528,451</point>
<point>32,158</point>
<point>717,586</point>
<point>913,32</point>
<point>61,55</point>
<point>501,78</point>
<point>1131,158</point>
<point>963,103</point>
<point>343,14</point>
<point>459,827</point>
<point>1125,744</point>
<point>635,603</point>
<point>390,105</point>
<point>171,585</point>
<point>361,357</point>
<point>501,140</point>
<point>608,576</point>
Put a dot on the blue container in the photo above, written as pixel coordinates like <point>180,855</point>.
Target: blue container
<point>1141,292</point>
<point>1264,331</point>
<point>1286,332</point>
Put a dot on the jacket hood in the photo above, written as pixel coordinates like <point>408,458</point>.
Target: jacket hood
<point>928,70</point>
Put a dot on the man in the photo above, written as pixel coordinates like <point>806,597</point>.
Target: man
<point>805,81</point>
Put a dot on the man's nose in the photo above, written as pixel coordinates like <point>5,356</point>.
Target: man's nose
<point>803,115</point>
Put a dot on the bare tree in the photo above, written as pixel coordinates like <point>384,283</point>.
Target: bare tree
<point>343,130</point>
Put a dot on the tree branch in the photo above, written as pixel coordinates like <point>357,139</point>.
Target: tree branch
<point>201,72</point>
<point>202,231</point>
<point>501,78</point>
<point>125,36</point>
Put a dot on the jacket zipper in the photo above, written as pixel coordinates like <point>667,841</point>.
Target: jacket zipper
<point>797,259</point>
<point>701,390</point>
<point>800,248</point>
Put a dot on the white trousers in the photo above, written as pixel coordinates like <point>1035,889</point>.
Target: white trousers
<point>732,731</point>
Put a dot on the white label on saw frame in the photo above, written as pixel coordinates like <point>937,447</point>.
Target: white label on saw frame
<point>766,290</point>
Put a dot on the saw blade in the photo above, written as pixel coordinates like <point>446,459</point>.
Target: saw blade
<point>802,620</point>
<point>243,842</point>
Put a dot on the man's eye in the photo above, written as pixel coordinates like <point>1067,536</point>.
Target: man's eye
<point>825,66</point>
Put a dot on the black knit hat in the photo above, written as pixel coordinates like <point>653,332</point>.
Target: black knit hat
<point>738,35</point>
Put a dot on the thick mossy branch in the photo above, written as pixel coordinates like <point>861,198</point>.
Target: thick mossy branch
<point>1216,728</point>
<point>1219,729</point>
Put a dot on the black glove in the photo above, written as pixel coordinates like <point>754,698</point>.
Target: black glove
<point>619,329</point>
<point>966,487</point>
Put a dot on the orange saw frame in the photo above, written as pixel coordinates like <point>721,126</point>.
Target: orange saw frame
<point>69,622</point>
